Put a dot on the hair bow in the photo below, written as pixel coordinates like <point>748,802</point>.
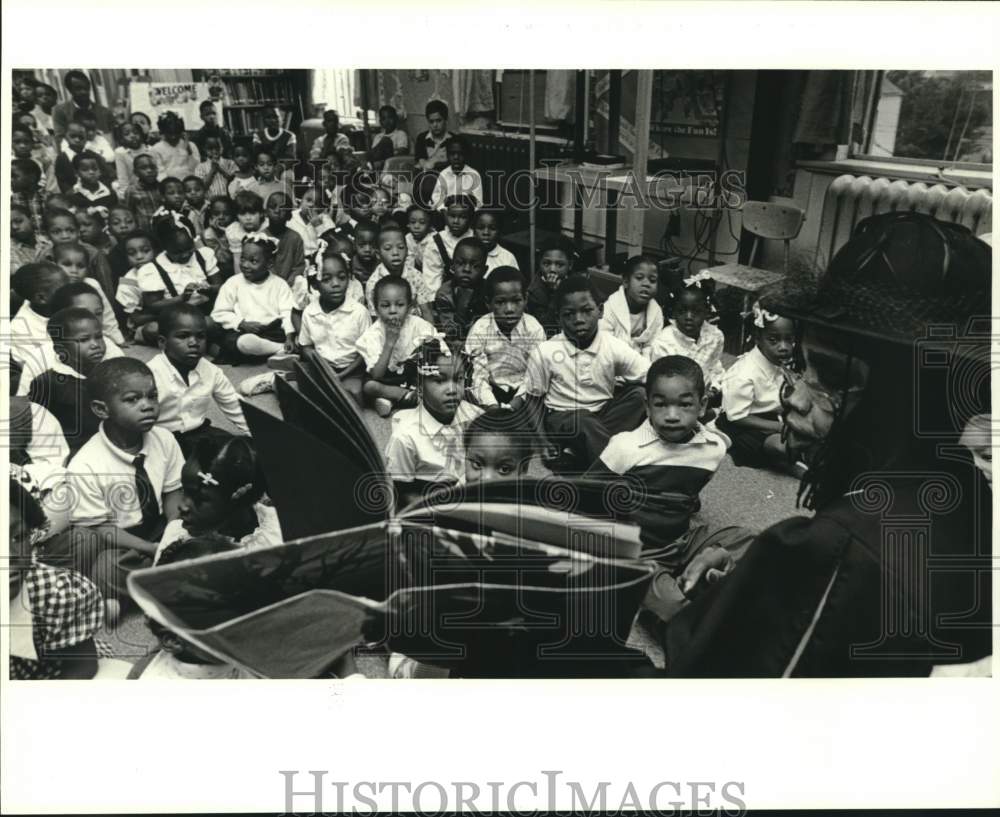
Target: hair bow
<point>761,317</point>
<point>260,238</point>
<point>317,259</point>
<point>98,210</point>
<point>208,479</point>
<point>697,279</point>
<point>426,368</point>
<point>177,218</point>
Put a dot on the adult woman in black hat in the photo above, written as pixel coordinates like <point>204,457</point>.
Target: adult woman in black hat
<point>891,577</point>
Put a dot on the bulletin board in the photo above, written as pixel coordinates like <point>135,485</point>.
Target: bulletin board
<point>687,103</point>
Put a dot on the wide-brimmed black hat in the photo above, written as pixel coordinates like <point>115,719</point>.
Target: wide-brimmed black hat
<point>899,277</point>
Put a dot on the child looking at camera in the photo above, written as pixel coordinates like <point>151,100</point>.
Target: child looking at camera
<point>458,212</point>
<point>393,260</point>
<point>388,344</point>
<point>216,172</point>
<point>89,190</point>
<point>426,443</point>
<point>249,219</point>
<point>500,343</point>
<point>244,176</point>
<point>72,258</point>
<point>631,313</point>
<point>486,225</point>
<point>555,262</point>
<point>459,301</point>
<point>419,233</point>
<point>497,446</point>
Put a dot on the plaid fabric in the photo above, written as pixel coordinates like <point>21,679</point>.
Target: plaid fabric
<point>66,607</point>
<point>143,203</point>
<point>35,205</point>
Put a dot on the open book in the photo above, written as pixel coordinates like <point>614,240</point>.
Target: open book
<point>520,578</point>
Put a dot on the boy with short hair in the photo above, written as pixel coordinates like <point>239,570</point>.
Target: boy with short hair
<point>216,172</point>
<point>89,190</point>
<point>186,382</point>
<point>210,129</point>
<point>573,377</point>
<point>126,478</point>
<point>499,343</point>
<point>430,146</point>
<point>268,172</point>
<point>75,143</point>
<point>459,301</point>
<point>195,205</point>
<point>486,226</point>
<point>78,343</point>
<point>457,179</point>
<point>143,198</point>
<point>36,283</point>
<point>437,255</point>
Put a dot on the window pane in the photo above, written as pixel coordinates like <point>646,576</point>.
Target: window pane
<point>939,115</point>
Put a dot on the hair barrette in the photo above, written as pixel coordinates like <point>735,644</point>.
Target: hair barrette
<point>697,279</point>
<point>208,479</point>
<point>761,317</point>
<point>179,220</point>
<point>260,238</point>
<point>242,491</point>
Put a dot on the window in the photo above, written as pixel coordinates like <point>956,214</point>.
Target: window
<point>940,117</point>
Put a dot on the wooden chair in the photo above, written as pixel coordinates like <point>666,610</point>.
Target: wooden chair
<point>764,220</point>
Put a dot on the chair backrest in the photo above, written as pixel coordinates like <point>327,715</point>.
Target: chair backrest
<point>407,163</point>
<point>772,221</point>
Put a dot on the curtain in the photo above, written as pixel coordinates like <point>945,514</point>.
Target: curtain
<point>833,106</point>
<point>472,91</point>
<point>560,93</point>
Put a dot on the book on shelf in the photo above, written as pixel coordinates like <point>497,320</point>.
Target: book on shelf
<point>509,578</point>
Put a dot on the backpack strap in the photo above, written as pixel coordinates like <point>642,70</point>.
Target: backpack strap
<point>201,262</point>
<point>445,257</point>
<point>166,278</point>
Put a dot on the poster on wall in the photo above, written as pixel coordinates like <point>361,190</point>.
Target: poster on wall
<point>183,98</point>
<point>687,103</point>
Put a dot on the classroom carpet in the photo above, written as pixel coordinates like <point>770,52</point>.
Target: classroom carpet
<point>748,497</point>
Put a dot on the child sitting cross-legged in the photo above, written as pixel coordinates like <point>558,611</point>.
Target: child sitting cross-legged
<point>751,395</point>
<point>186,382</point>
<point>631,313</point>
<point>459,301</point>
<point>389,343</point>
<point>689,332</point>
<point>126,479</point>
<point>500,343</point>
<point>426,443</point>
<point>572,378</point>
<point>254,308</point>
<point>223,486</point>
<point>673,453</point>
<point>181,273</point>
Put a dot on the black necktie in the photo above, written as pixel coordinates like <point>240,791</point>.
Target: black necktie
<point>146,493</point>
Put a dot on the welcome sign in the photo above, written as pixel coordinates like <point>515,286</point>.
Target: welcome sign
<point>183,98</point>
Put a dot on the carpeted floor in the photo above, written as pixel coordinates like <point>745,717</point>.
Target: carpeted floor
<point>736,496</point>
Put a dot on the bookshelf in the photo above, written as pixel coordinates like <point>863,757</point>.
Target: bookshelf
<point>249,92</point>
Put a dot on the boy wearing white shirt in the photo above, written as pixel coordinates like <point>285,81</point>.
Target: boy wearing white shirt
<point>458,179</point>
<point>486,229</point>
<point>438,254</point>
<point>37,284</point>
<point>573,376</point>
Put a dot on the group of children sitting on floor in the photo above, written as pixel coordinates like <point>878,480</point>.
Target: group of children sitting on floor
<point>478,365</point>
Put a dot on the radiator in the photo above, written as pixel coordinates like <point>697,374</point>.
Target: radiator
<point>849,199</point>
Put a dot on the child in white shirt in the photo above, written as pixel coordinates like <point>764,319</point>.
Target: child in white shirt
<point>751,394</point>
<point>458,179</point>
<point>438,253</point>
<point>389,342</point>
<point>632,313</point>
<point>486,228</point>
<point>254,308</point>
<point>419,233</point>
<point>249,219</point>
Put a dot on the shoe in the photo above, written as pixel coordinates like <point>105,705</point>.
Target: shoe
<point>282,362</point>
<point>383,406</point>
<point>258,384</point>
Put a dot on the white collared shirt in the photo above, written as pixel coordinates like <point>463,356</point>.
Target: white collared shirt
<point>180,275</point>
<point>643,447</point>
<point>102,477</point>
<point>310,234</point>
<point>27,333</point>
<point>434,266</point>
<point>499,257</point>
<point>415,249</point>
<point>466,182</point>
<point>572,378</point>
<point>410,273</point>
<point>412,332</point>
<point>264,302</point>
<point>334,334</point>
<point>706,350</point>
<point>109,326</point>
<point>502,358</point>
<point>752,385</point>
<point>47,448</point>
<point>92,195</point>
<point>184,406</point>
<point>618,321</point>
<point>423,448</point>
